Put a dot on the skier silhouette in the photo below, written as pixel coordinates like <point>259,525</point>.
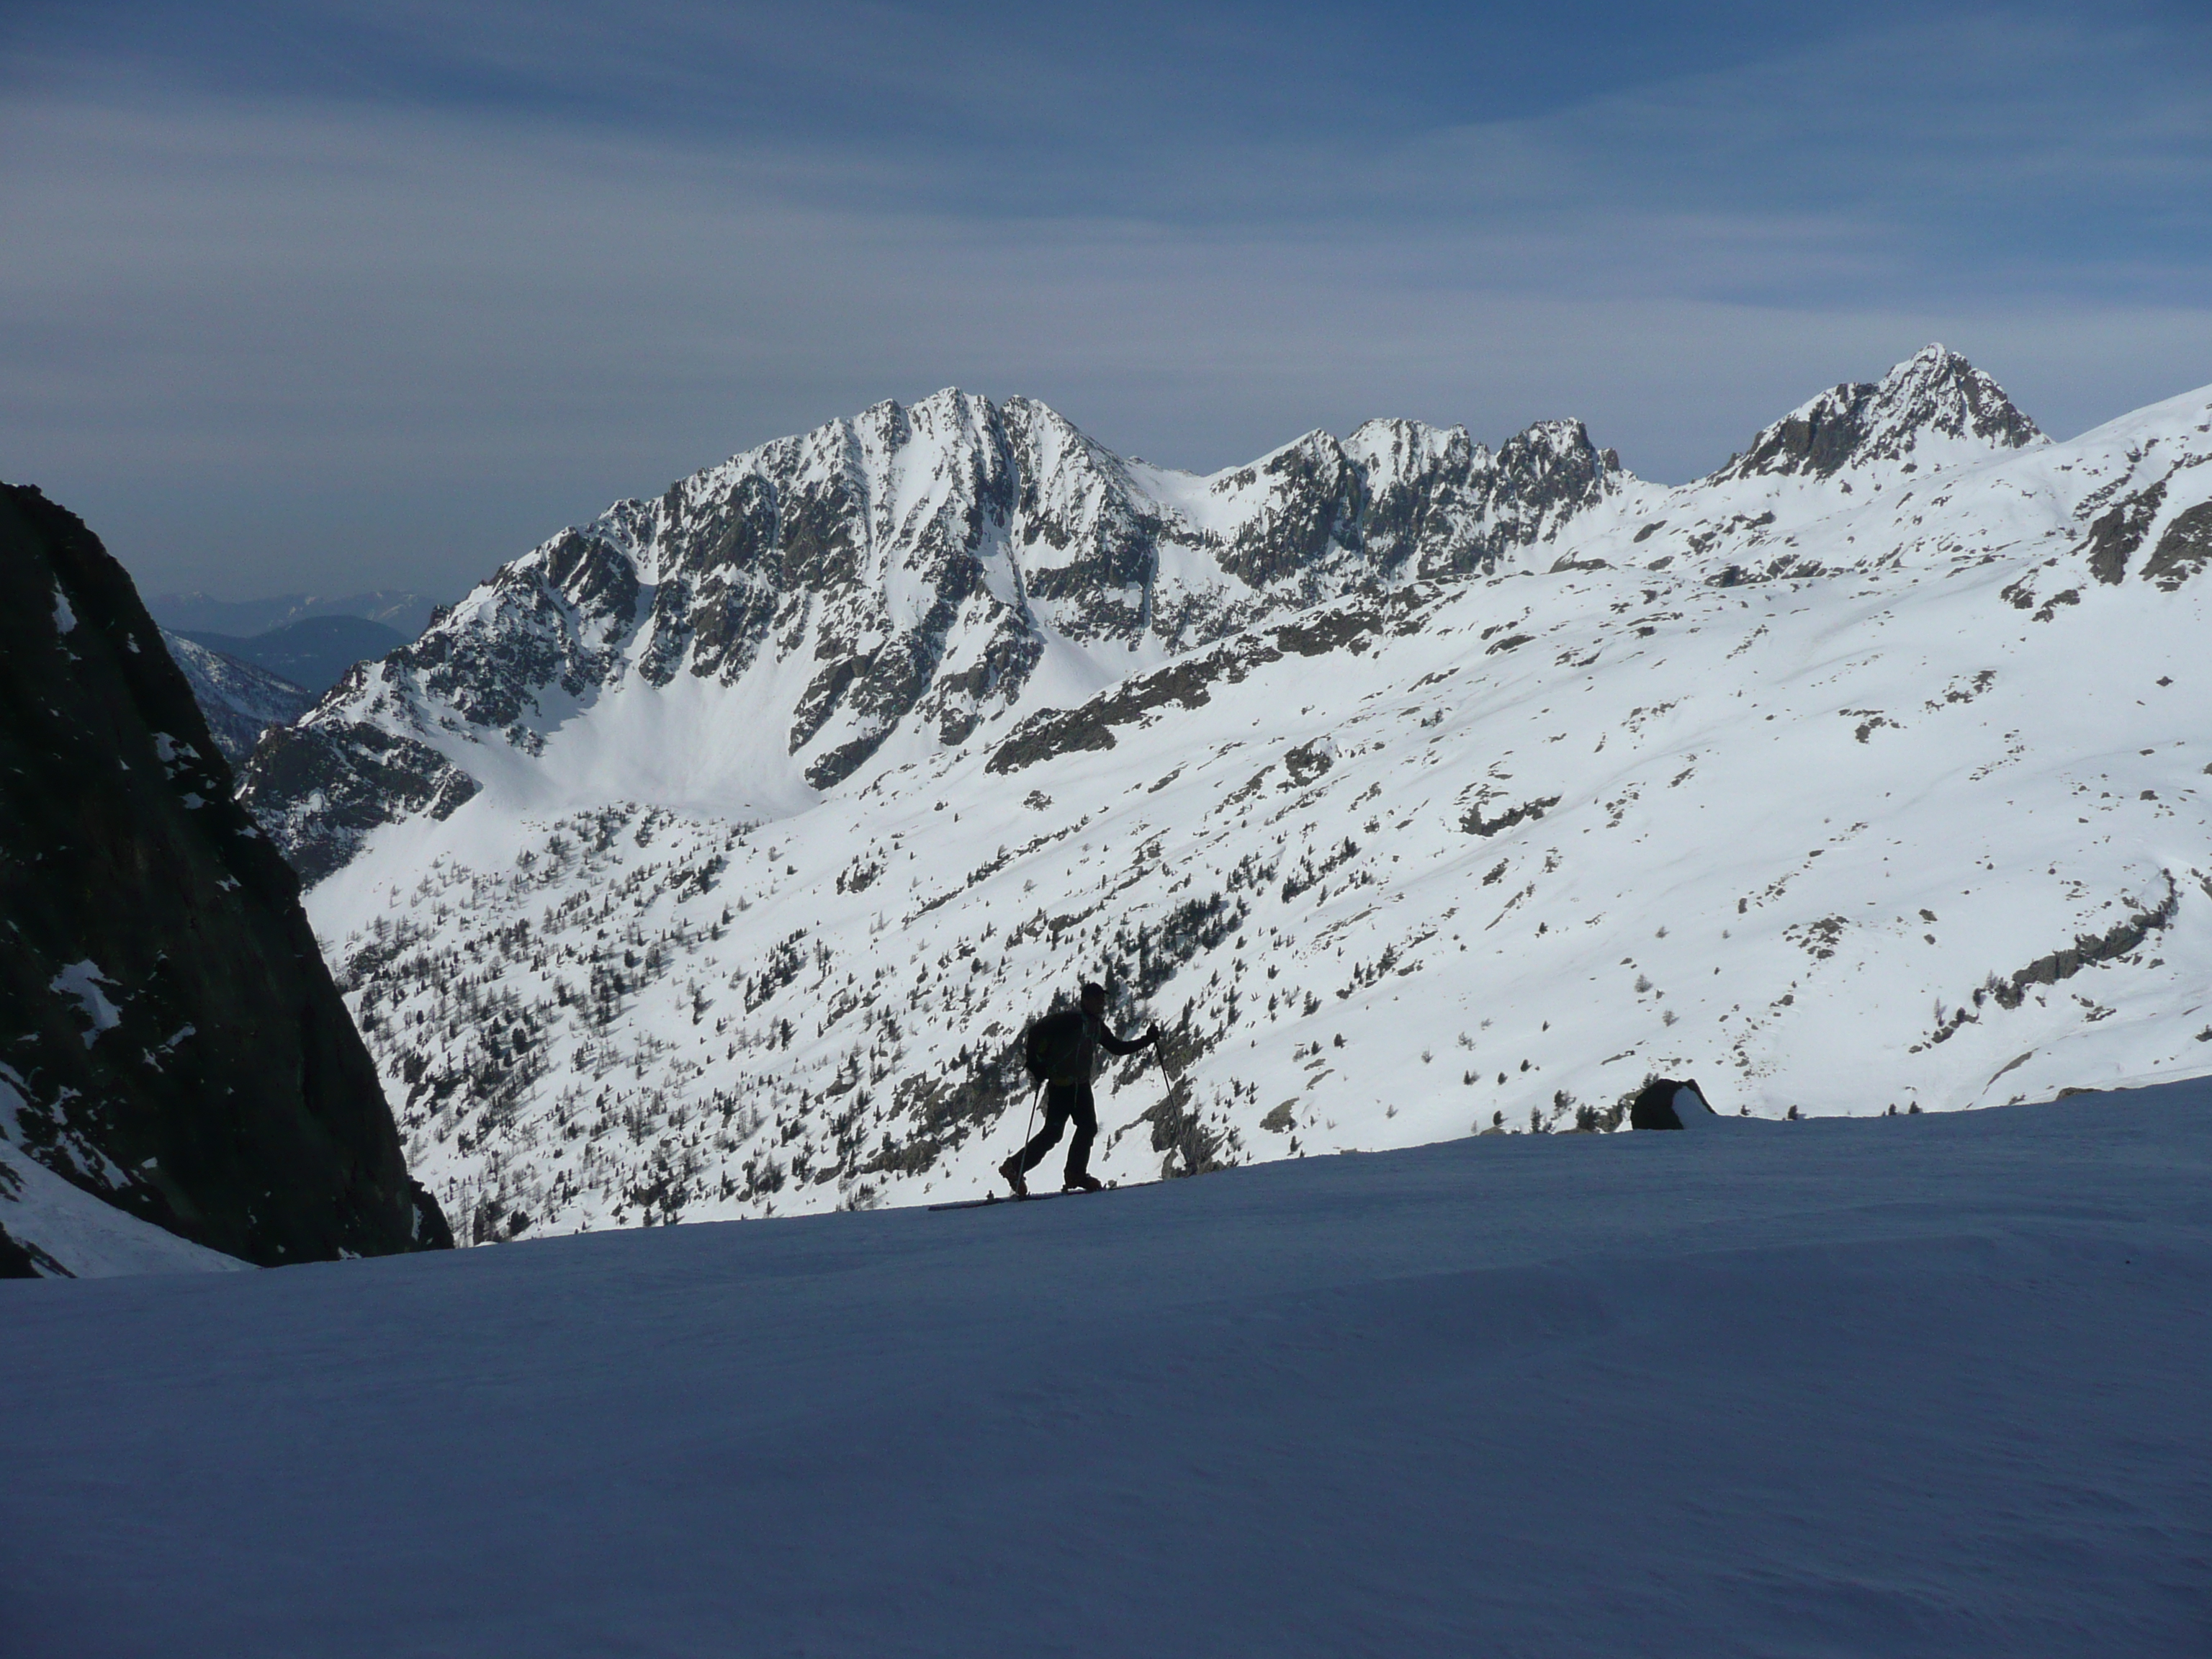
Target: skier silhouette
<point>1063,1049</point>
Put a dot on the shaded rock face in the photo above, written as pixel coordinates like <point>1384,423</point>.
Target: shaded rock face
<point>2184,550</point>
<point>18,1260</point>
<point>1436,504</point>
<point>903,570</point>
<point>170,1040</point>
<point>2116,534</point>
<point>319,789</point>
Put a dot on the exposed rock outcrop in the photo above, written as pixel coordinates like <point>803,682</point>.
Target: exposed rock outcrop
<point>903,571</point>
<point>2116,534</point>
<point>1933,407</point>
<point>170,1040</point>
<point>2182,550</point>
<point>1665,1103</point>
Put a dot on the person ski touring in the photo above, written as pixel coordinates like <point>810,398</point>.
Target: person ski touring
<point>1061,1052</point>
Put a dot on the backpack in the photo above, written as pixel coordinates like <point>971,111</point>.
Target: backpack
<point>1053,1050</point>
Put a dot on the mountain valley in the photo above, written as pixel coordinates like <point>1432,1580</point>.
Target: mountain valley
<point>708,860</point>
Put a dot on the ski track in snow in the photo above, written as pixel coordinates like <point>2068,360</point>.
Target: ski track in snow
<point>1915,1386</point>
<point>1836,794</point>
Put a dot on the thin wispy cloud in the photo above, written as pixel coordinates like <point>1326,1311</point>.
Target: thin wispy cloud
<point>312,296</point>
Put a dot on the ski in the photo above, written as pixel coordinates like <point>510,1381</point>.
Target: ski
<point>1024,1198</point>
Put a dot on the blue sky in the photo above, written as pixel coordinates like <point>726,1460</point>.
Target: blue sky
<point>326,296</point>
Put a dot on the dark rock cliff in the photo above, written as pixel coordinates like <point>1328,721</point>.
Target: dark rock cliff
<point>170,1040</point>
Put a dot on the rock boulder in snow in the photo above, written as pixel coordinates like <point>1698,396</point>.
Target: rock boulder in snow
<point>1664,1103</point>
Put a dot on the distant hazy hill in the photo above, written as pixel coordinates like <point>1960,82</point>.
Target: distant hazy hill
<point>239,700</point>
<point>313,653</point>
<point>397,608</point>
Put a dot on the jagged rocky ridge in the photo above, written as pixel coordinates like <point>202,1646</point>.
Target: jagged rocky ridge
<point>170,1040</point>
<point>1823,783</point>
<point>905,574</point>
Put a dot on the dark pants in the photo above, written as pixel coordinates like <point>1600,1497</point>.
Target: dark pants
<point>1064,1102</point>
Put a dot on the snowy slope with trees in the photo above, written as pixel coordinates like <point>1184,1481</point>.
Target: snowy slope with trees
<point>240,699</point>
<point>1902,1386</point>
<point>707,861</point>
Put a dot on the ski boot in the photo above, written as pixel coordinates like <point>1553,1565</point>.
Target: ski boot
<point>1011,1170</point>
<point>1081,1183</point>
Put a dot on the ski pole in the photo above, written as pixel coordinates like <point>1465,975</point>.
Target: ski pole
<point>1174,1082</point>
<point>1166,1070</point>
<point>1028,1126</point>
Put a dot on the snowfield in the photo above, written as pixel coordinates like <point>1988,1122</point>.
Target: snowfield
<point>82,1236</point>
<point>1912,1385</point>
<point>1869,771</point>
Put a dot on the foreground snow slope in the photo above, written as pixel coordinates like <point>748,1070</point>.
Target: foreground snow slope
<point>1911,1385</point>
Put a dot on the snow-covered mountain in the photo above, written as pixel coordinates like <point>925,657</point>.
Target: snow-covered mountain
<point>241,700</point>
<point>709,859</point>
<point>825,608</point>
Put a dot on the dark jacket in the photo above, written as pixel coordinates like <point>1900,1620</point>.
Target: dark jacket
<point>1076,1038</point>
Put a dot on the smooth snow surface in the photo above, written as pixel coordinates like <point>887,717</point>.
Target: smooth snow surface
<point>87,1237</point>
<point>1911,1385</point>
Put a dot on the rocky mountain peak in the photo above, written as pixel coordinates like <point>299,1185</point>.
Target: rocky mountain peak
<point>1394,448</point>
<point>885,584</point>
<point>894,577</point>
<point>1523,842</point>
<point>1935,409</point>
<point>1553,465</point>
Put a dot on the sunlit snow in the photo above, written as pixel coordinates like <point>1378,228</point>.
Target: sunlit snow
<point>1839,792</point>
